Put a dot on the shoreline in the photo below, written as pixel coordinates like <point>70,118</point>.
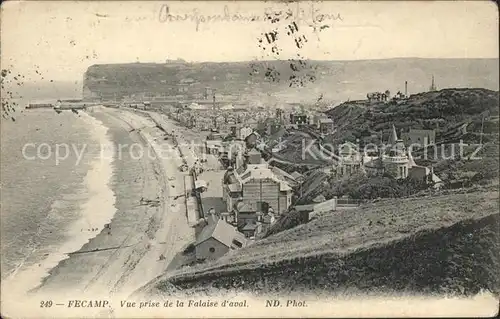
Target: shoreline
<point>117,261</point>
<point>96,185</point>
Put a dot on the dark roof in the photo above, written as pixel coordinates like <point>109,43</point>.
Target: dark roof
<point>257,135</point>
<point>240,170</point>
<point>217,203</point>
<point>281,173</point>
<point>253,151</point>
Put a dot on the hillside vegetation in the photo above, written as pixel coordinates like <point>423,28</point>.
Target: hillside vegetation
<point>445,110</point>
<point>444,244</point>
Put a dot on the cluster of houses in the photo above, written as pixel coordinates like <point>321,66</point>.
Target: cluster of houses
<point>396,160</point>
<point>230,118</point>
<point>254,195</point>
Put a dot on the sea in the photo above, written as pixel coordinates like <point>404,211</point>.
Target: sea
<point>55,173</point>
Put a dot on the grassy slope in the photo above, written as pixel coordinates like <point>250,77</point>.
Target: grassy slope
<point>425,244</point>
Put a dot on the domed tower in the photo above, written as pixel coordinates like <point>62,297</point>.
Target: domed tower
<point>395,159</point>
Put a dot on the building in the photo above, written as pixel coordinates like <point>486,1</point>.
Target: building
<point>251,139</point>
<point>252,218</point>
<point>39,105</point>
<point>424,174</point>
<point>325,125</point>
<point>230,151</point>
<point>299,119</point>
<point>243,132</point>
<point>258,186</point>
<point>216,239</point>
<point>419,137</point>
<point>299,178</point>
<point>350,160</point>
<point>269,126</point>
<point>396,159</point>
<point>208,93</point>
<point>213,147</point>
<point>89,95</point>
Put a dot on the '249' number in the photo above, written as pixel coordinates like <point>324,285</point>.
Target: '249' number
<point>46,304</point>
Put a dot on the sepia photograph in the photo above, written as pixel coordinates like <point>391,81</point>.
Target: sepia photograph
<point>249,159</point>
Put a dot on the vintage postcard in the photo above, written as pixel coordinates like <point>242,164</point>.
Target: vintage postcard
<point>230,159</point>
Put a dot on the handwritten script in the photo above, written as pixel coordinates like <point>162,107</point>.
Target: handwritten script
<point>301,13</point>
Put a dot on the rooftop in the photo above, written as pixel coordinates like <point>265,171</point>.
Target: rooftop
<point>326,120</point>
<point>222,232</point>
<point>296,175</point>
<point>235,187</point>
<point>247,207</point>
<point>249,226</point>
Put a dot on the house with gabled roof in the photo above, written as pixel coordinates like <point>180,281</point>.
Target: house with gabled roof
<point>299,178</point>
<point>216,239</point>
<point>423,173</point>
<point>252,139</point>
<point>257,187</point>
<point>419,138</point>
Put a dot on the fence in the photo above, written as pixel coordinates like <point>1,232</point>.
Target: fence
<point>348,202</point>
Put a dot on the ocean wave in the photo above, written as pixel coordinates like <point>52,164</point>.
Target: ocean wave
<point>95,202</point>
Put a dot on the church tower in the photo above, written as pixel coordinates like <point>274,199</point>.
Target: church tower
<point>395,159</point>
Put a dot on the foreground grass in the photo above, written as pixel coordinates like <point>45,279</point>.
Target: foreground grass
<point>430,244</point>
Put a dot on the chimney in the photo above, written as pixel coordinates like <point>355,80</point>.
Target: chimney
<point>406,88</point>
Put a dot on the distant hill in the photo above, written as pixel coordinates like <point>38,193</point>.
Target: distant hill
<point>270,81</point>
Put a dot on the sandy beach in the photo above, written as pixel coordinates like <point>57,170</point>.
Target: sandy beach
<point>148,229</point>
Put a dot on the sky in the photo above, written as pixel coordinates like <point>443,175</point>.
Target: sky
<point>63,38</point>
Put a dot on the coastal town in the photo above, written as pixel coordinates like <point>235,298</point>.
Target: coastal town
<point>249,159</point>
<point>247,194</point>
<point>238,180</point>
